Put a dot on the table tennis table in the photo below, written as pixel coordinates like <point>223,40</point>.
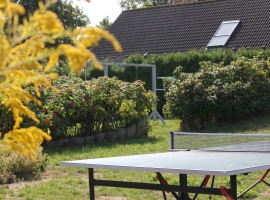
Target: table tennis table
<point>183,163</point>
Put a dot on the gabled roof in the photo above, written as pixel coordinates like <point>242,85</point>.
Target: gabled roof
<point>180,28</point>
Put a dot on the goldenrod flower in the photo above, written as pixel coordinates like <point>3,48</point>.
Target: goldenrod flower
<point>54,59</point>
<point>22,48</point>
<point>17,9</point>
<point>26,140</point>
<point>3,3</point>
<point>47,22</point>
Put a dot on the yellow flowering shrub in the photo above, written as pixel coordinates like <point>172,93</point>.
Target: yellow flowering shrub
<point>25,55</point>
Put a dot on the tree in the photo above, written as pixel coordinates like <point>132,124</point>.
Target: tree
<point>71,16</point>
<point>29,5</point>
<point>25,59</point>
<point>105,24</point>
<point>134,4</point>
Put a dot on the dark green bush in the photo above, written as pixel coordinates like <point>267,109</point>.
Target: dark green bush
<point>220,93</point>
<point>6,120</point>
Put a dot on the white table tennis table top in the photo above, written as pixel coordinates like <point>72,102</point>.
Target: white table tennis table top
<point>183,162</point>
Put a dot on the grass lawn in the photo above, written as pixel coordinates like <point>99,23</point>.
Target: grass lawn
<point>72,183</point>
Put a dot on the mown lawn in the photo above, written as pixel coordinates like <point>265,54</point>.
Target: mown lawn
<point>72,183</point>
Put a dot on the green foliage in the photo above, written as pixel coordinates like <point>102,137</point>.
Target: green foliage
<point>105,23</point>
<point>86,107</point>
<point>91,72</point>
<point>62,69</point>
<point>113,71</point>
<point>189,61</point>
<point>166,64</point>
<point>70,15</point>
<point>135,4</point>
<point>6,120</point>
<point>17,165</point>
<point>220,93</point>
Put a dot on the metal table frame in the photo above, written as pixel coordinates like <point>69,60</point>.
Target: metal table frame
<point>183,188</point>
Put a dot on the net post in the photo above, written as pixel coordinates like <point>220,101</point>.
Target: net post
<point>171,139</point>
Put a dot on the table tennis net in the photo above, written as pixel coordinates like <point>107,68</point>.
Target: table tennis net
<point>220,142</point>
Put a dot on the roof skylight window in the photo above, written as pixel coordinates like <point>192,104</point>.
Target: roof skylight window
<point>223,33</point>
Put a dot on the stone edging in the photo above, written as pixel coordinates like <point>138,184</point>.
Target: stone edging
<point>139,128</point>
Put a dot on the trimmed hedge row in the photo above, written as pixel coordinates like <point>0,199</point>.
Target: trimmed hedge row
<point>219,93</point>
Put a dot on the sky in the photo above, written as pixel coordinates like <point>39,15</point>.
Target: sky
<point>97,10</point>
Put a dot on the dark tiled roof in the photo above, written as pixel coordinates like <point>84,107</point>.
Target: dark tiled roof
<point>180,28</point>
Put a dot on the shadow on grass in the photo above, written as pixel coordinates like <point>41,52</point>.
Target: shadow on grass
<point>255,124</point>
<point>105,144</point>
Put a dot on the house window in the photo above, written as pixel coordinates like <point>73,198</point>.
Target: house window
<point>223,33</point>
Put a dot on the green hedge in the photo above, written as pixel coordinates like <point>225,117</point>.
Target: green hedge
<point>220,93</point>
<point>166,64</point>
<point>83,108</point>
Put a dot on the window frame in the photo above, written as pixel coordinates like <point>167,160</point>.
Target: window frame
<point>214,42</point>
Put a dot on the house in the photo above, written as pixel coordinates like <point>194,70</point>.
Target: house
<point>179,28</point>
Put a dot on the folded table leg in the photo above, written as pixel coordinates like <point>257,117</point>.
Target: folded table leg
<point>203,184</point>
<point>259,181</point>
<point>164,182</point>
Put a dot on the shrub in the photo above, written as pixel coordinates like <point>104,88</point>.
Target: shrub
<point>83,108</point>
<point>167,63</point>
<point>189,61</point>
<point>17,165</point>
<point>220,93</point>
